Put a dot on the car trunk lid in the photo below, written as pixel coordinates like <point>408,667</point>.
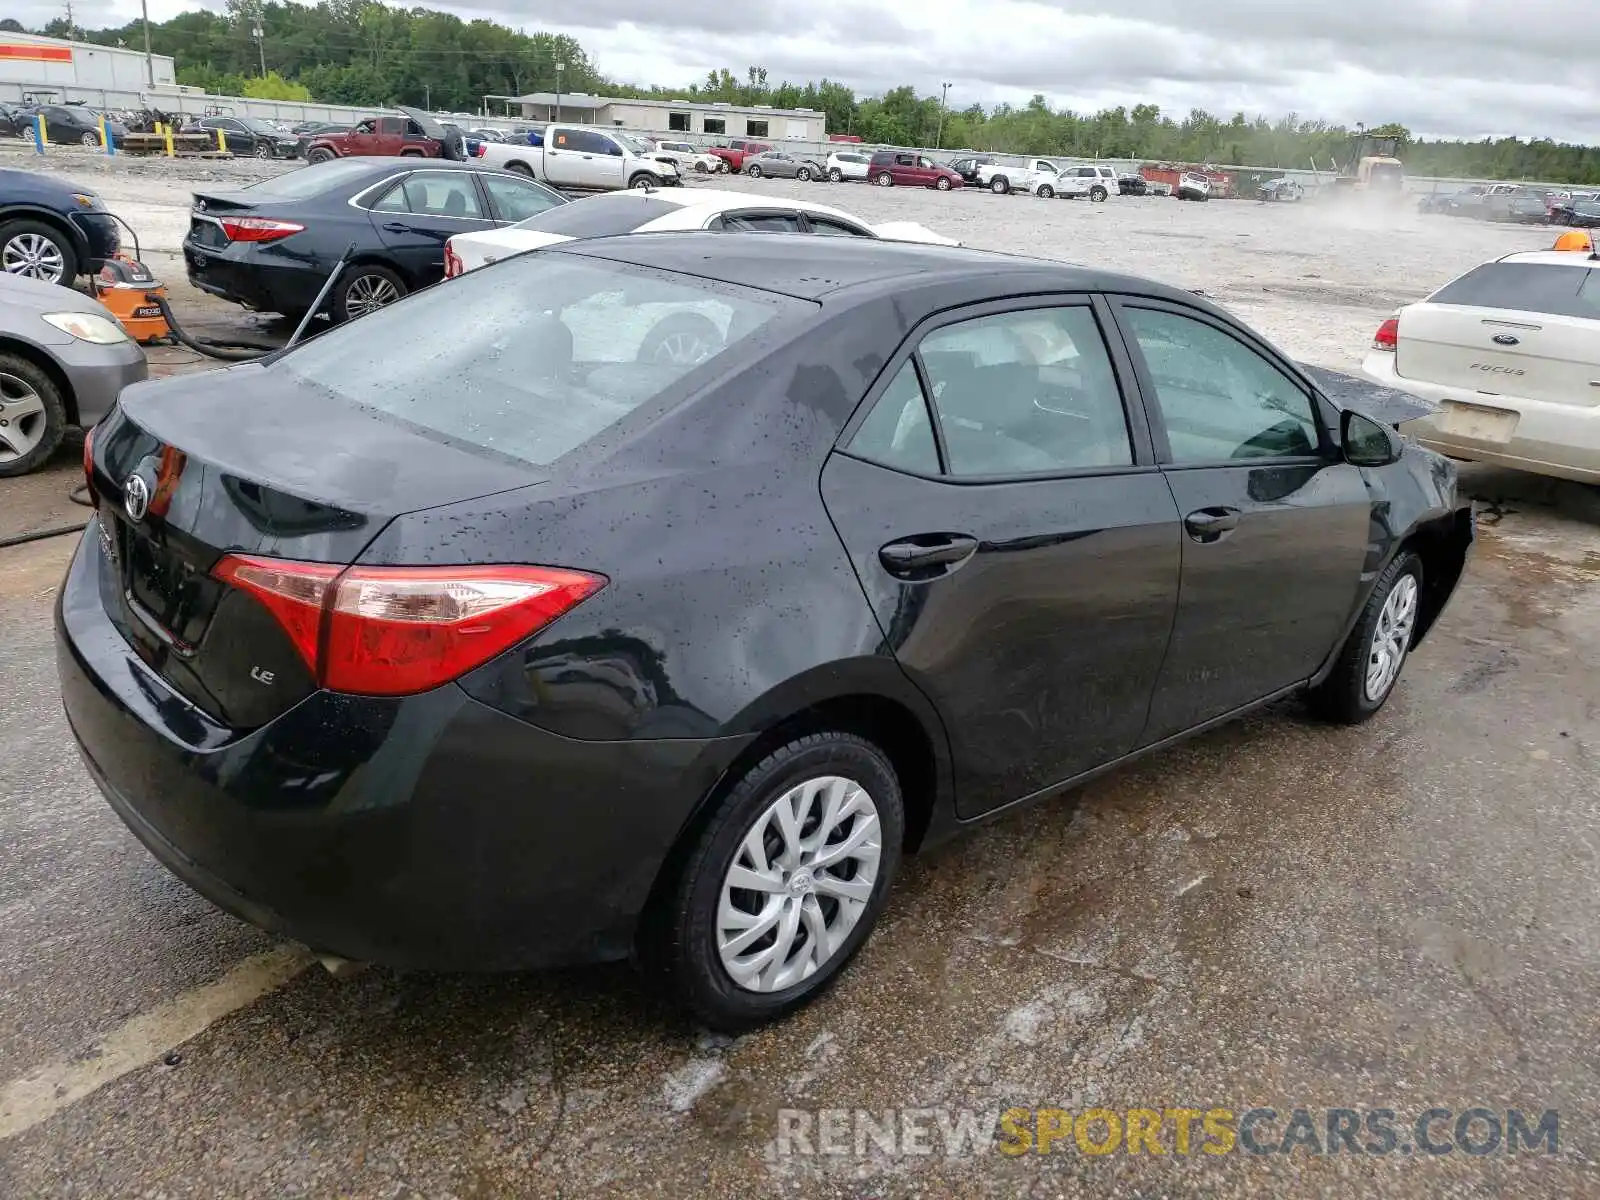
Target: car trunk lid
<point>1525,329</point>
<point>250,461</point>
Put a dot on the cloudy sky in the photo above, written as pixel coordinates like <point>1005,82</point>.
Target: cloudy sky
<point>1457,68</point>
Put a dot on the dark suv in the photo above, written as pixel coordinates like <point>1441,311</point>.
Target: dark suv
<point>906,168</point>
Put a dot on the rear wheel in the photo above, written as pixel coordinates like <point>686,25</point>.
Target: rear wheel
<point>784,884</point>
<point>33,416</point>
<point>1370,661</point>
<point>522,169</point>
<point>363,289</point>
<point>1000,185</point>
<point>411,154</point>
<point>34,250</point>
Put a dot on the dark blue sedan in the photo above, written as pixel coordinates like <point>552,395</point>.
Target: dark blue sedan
<point>52,229</point>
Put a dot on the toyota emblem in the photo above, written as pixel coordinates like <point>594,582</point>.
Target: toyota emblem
<point>135,498</point>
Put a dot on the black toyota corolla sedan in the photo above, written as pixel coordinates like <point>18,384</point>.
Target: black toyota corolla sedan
<point>493,631</point>
<point>271,245</point>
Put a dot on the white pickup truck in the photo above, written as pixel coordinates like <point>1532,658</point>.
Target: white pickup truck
<point>573,156</point>
<point>1037,176</point>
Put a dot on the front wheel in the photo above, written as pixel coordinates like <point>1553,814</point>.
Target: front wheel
<point>644,181</point>
<point>785,882</point>
<point>803,174</point>
<point>35,250</point>
<point>884,179</point>
<point>1046,192</point>
<point>722,166</point>
<point>33,416</point>
<point>835,175</point>
<point>320,155</point>
<point>943,184</point>
<point>1369,663</point>
<point>263,150</point>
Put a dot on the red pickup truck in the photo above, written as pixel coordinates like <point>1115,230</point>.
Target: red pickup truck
<point>736,151</point>
<point>385,136</point>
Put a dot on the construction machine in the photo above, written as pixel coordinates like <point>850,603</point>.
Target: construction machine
<point>1372,165</point>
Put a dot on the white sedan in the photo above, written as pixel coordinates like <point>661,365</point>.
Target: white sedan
<point>675,210</point>
<point>1510,354</point>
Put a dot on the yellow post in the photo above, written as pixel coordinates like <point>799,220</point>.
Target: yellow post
<point>166,132</point>
<point>222,141</point>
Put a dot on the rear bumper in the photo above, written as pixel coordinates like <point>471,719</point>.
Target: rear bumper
<point>1562,440</point>
<point>431,832</point>
<point>243,274</point>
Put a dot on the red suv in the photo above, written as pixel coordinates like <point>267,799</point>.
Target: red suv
<point>890,167</point>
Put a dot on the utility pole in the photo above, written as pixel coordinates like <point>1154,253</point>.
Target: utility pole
<point>938,138</point>
<point>560,67</point>
<point>149,63</point>
<point>427,97</point>
<point>261,46</point>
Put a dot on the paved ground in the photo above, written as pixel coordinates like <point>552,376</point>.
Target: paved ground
<point>1278,914</point>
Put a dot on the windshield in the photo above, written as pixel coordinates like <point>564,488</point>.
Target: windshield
<point>632,143</point>
<point>313,180</point>
<point>532,381</point>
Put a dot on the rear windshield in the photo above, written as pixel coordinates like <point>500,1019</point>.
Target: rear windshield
<point>532,381</point>
<point>311,181</point>
<point>600,216</point>
<point>1526,287</point>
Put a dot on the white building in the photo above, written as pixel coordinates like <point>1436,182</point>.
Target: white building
<point>53,69</point>
<point>713,120</point>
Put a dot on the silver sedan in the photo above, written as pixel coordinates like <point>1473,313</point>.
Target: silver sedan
<point>780,165</point>
<point>63,361</point>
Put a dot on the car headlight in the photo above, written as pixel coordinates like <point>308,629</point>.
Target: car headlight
<point>88,327</point>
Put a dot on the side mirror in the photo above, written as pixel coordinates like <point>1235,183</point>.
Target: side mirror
<point>1367,443</point>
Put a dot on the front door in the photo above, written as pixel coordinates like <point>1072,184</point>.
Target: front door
<point>1276,524</point>
<point>602,160</point>
<point>1015,539</point>
<point>421,212</point>
<point>563,158</point>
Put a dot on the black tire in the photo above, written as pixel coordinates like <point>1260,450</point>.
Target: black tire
<point>320,155</point>
<point>1343,697</point>
<point>263,150</point>
<point>91,141</point>
<point>411,154</point>
<point>803,174</point>
<point>684,338</point>
<point>753,171</point>
<point>883,179</point>
<point>1098,194</point>
<point>55,415</point>
<point>522,169</point>
<point>644,179</point>
<point>722,167</point>
<point>1000,185</point>
<point>835,175</point>
<point>683,934</point>
<point>943,183</point>
<point>1046,192</point>
<point>339,303</point>
<point>12,230</point>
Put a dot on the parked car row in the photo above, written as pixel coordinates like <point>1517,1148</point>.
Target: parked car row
<point>1516,204</point>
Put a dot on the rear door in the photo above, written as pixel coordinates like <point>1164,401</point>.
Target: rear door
<point>1000,503</point>
<point>1275,523</point>
<point>905,170</point>
<point>422,211</point>
<point>1530,330</point>
<point>389,136</point>
<point>513,199</point>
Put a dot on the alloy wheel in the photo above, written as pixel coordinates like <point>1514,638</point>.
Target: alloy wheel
<point>90,141</point>
<point>368,293</point>
<point>1391,637</point>
<point>798,884</point>
<point>34,256</point>
<point>22,418</point>
<point>263,150</point>
<point>683,349</point>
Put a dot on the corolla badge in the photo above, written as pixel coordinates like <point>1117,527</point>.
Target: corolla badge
<point>1505,339</point>
<point>135,498</point>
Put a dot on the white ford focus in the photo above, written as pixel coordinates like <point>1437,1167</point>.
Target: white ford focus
<point>677,209</point>
<point>1510,354</point>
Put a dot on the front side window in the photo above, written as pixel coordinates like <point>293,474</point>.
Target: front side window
<point>1220,401</point>
<point>1027,392</point>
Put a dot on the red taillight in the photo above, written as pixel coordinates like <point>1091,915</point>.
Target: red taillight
<point>452,262</point>
<point>1388,335</point>
<point>478,149</point>
<point>394,631</point>
<point>257,229</point>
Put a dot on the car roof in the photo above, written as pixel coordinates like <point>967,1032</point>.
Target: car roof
<point>415,163</point>
<point>716,200</point>
<point>811,268</point>
<point>1552,258</point>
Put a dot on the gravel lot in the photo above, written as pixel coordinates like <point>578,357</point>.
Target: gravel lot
<point>1275,915</point>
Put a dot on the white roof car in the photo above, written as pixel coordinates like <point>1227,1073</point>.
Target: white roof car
<point>675,209</point>
<point>1510,354</point>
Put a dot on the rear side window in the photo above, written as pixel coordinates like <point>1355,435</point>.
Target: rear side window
<point>600,216</point>
<point>898,432</point>
<point>1526,287</point>
<point>559,348</point>
<point>297,185</point>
